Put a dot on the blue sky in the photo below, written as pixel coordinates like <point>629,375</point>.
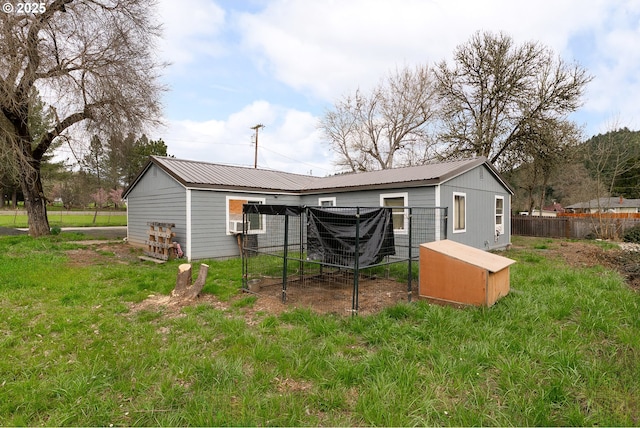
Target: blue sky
<point>283,63</point>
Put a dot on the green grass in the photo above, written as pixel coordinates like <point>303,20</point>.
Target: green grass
<point>563,348</point>
<point>64,219</point>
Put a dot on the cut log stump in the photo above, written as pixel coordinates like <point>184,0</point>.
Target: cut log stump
<point>184,288</point>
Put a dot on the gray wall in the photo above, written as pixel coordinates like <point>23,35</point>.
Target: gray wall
<point>481,187</point>
<point>209,238</point>
<point>156,198</point>
<point>418,197</point>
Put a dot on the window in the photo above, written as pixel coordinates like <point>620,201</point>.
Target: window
<point>500,214</point>
<point>399,215</point>
<point>234,215</point>
<point>327,202</point>
<point>459,212</point>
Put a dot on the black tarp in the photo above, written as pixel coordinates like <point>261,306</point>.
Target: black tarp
<point>331,235</point>
<point>290,210</point>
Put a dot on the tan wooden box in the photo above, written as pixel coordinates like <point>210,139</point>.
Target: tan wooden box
<point>456,273</point>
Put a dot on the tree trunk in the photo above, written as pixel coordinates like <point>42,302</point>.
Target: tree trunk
<point>183,281</point>
<point>35,203</point>
<point>184,289</point>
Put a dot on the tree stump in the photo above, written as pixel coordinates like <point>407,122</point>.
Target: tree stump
<point>184,289</point>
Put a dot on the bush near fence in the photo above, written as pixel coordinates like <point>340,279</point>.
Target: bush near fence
<point>575,226</point>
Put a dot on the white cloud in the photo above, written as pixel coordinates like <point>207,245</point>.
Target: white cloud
<point>327,48</point>
<point>190,29</point>
<point>288,142</point>
<point>322,49</point>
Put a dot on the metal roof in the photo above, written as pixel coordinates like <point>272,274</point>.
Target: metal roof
<point>210,175</point>
<point>197,174</point>
<point>428,174</point>
<point>606,203</point>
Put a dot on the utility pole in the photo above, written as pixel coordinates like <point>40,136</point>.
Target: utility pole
<point>256,128</point>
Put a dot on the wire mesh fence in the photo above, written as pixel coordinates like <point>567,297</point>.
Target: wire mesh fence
<point>336,259</point>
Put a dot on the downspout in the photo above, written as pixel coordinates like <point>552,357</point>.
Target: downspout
<point>437,212</point>
<point>508,222</point>
<point>187,250</point>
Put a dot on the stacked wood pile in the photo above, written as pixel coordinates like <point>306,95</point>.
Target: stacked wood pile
<point>160,244</point>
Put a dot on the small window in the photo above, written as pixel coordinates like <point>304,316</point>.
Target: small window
<point>327,202</point>
<point>459,212</point>
<point>500,214</point>
<point>399,215</point>
<point>234,215</point>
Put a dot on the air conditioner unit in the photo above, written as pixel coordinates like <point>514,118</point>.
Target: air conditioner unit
<point>236,226</point>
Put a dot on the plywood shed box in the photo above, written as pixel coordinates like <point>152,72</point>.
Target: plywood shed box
<point>456,273</point>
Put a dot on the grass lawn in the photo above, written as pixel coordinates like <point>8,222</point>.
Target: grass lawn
<point>563,348</point>
<point>66,219</point>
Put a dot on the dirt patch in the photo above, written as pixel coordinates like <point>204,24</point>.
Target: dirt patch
<point>172,307</point>
<point>322,296</point>
<point>336,297</point>
<point>584,254</point>
<point>103,252</point>
<point>626,262</point>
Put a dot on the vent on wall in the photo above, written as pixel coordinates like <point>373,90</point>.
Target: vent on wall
<point>236,226</point>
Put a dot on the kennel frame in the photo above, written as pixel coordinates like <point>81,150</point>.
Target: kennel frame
<point>289,242</point>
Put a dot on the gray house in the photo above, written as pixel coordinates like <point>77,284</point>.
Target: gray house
<point>617,205</point>
<point>204,200</point>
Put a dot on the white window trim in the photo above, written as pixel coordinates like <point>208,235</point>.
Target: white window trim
<point>499,226</point>
<point>248,199</point>
<point>331,199</point>
<point>405,196</point>
<point>453,206</point>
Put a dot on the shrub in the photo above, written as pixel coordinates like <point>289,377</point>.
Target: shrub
<point>55,230</point>
<point>632,235</point>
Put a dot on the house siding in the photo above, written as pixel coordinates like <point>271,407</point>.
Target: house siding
<point>416,197</point>
<point>209,238</point>
<point>157,197</point>
<point>481,188</point>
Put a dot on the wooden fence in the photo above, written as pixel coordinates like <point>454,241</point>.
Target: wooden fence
<point>571,227</point>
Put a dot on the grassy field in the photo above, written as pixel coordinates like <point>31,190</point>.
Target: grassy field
<point>67,219</point>
<point>563,348</point>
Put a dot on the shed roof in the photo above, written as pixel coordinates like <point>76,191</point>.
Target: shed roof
<point>474,256</point>
<point>205,175</point>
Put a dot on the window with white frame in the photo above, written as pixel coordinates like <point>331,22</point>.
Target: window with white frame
<point>400,214</point>
<point>234,215</point>
<point>327,202</point>
<point>499,214</point>
<point>459,212</point>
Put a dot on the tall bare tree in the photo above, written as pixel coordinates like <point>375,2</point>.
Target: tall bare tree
<point>551,146</point>
<point>608,157</point>
<point>385,128</point>
<point>495,89</point>
<point>94,64</point>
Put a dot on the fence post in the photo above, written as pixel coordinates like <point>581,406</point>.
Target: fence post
<point>356,266</point>
<point>410,272</point>
<point>286,258</point>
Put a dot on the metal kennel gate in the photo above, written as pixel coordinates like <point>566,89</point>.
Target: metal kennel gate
<point>336,259</point>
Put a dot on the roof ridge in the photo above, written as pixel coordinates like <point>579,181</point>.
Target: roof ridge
<point>226,165</point>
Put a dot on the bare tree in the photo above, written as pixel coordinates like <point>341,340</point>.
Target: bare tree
<point>550,147</point>
<point>93,61</point>
<point>608,157</point>
<point>496,88</point>
<point>386,128</point>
